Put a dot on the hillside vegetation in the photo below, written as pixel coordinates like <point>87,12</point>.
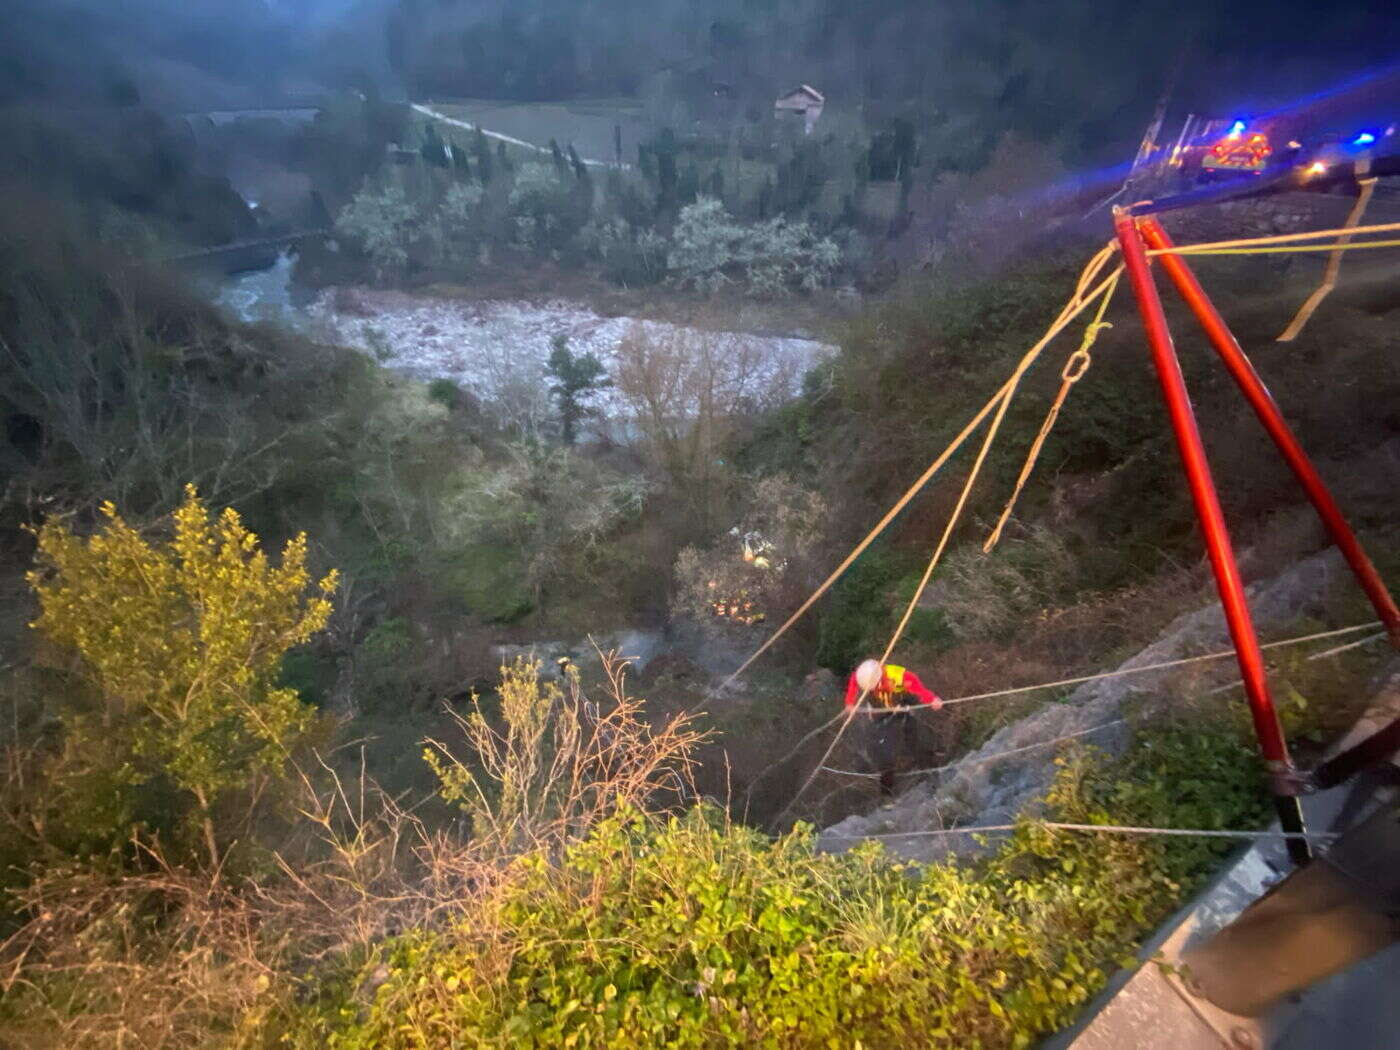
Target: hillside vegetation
<point>271,774</point>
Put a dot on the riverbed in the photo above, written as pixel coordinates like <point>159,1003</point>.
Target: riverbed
<point>497,349</point>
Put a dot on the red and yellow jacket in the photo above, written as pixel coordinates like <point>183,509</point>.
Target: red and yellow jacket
<point>897,681</point>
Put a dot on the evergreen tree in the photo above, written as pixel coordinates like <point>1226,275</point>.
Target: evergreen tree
<point>434,150</point>
<point>576,162</point>
<point>561,167</point>
<point>715,187</point>
<point>576,380</point>
<point>688,187</point>
<point>484,167</point>
<point>667,177</point>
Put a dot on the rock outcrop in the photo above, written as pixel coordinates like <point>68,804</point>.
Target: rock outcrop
<point>983,789</point>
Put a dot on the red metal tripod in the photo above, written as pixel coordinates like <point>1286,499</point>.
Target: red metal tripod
<point>1286,783</point>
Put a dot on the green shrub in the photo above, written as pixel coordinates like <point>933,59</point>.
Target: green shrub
<point>691,931</point>
<point>180,646</point>
<point>773,258</point>
<point>491,581</point>
<point>856,612</point>
<point>386,224</point>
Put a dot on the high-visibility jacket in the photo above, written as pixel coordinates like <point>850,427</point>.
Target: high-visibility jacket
<point>896,682</point>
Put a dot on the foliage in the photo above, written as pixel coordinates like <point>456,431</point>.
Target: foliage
<point>856,611</point>
<point>690,931</point>
<point>458,223</point>
<point>544,503</point>
<point>181,647</point>
<point>545,207</point>
<point>631,257</point>
<point>774,257</point>
<point>688,394</point>
<point>554,764</point>
<point>386,224</point>
<point>762,566</point>
<point>576,379</point>
<point>1028,574</point>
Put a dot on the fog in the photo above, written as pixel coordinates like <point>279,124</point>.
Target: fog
<point>1082,75</point>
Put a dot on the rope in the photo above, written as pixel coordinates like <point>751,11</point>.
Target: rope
<point>953,518</point>
<point>989,758</point>
<point>1281,238</point>
<point>1083,301</point>
<point>796,748</point>
<point>1334,651</point>
<point>1073,372</point>
<point>1334,266</point>
<point>1350,645</point>
<point>1078,303</point>
<point>1117,829</point>
<point>1339,246</point>
<point>1144,669</point>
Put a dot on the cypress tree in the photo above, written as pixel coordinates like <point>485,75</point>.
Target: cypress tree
<point>484,167</point>
<point>556,154</point>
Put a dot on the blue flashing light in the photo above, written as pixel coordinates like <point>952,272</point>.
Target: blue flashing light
<point>1364,139</point>
<point>1237,128</point>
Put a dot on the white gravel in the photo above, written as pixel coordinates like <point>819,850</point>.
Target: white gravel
<point>497,349</point>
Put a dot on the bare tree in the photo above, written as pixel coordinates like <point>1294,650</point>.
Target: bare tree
<point>686,391</point>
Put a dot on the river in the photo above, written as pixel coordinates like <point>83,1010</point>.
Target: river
<point>497,349</point>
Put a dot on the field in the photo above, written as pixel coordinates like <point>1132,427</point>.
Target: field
<point>589,125</point>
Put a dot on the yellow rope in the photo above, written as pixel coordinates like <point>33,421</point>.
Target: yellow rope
<point>952,519</point>
<point>1079,302</point>
<point>1073,372</point>
<point>1281,238</point>
<point>1001,400</point>
<point>1334,267</point>
<point>1071,310</point>
<point>1339,246</point>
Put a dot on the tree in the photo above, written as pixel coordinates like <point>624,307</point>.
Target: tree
<point>386,223</point>
<point>482,151</point>
<point>686,393</point>
<point>434,150</point>
<point>556,155</point>
<point>548,205</point>
<point>576,380</point>
<point>576,162</point>
<point>458,224</point>
<point>461,164</point>
<point>180,645</point>
<point>709,248</point>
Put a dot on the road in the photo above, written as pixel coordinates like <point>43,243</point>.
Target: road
<point>434,114</point>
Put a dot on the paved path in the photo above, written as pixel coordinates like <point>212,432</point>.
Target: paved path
<point>434,114</point>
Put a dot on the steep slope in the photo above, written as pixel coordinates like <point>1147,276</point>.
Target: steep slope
<point>982,789</point>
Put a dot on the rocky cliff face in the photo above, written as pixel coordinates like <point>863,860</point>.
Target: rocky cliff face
<point>992,786</point>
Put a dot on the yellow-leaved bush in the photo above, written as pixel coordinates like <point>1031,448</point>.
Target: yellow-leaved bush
<point>179,648</point>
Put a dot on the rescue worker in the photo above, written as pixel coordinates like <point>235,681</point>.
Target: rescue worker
<point>889,686</point>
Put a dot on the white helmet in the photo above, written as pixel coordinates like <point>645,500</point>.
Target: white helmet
<point>869,675</point>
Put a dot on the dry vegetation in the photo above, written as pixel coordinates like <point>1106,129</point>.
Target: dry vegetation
<point>163,954</point>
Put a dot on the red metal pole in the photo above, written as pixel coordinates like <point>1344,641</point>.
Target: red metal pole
<point>1252,386</point>
<point>1217,536</point>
